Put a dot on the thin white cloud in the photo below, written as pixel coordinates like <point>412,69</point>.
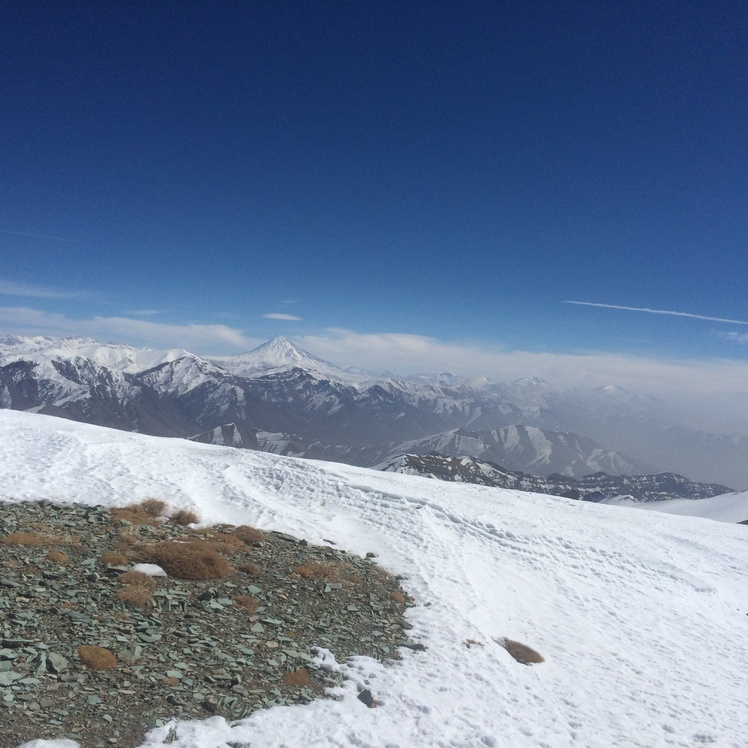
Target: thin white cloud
<point>145,312</point>
<point>199,338</point>
<point>659,311</point>
<point>33,236</point>
<point>735,337</point>
<point>278,315</point>
<point>687,380</point>
<point>9,288</point>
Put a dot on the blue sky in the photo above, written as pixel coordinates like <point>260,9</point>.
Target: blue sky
<point>174,173</point>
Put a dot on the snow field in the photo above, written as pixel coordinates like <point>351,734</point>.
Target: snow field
<point>641,616</point>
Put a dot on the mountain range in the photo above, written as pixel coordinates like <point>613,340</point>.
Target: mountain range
<point>597,487</point>
<point>281,399</point>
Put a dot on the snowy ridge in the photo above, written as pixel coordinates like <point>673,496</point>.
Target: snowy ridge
<point>641,618</point>
<point>661,488</point>
<point>119,357</point>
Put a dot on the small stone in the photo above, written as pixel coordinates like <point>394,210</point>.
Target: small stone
<point>366,697</point>
<point>210,705</point>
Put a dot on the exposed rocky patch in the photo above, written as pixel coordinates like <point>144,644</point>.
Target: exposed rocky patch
<point>80,659</point>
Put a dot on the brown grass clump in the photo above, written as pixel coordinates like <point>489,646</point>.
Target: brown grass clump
<point>39,540</point>
<point>249,603</point>
<point>193,560</point>
<point>153,507</point>
<point>252,569</point>
<point>521,652</point>
<point>138,578</point>
<point>135,595</point>
<point>298,677</point>
<point>184,517</point>
<point>135,515</point>
<point>249,534</point>
<point>225,543</point>
<point>97,658</point>
<point>58,557</point>
<point>398,597</point>
<point>114,558</point>
<point>316,569</point>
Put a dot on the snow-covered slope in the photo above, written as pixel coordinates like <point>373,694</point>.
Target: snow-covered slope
<point>641,617</point>
<point>729,507</point>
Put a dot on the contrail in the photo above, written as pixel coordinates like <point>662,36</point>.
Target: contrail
<point>35,236</point>
<point>660,311</point>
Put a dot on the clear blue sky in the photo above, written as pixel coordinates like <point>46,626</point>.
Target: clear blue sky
<point>450,170</point>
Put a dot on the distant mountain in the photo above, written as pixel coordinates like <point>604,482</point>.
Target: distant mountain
<point>522,448</point>
<point>597,487</point>
<point>279,355</point>
<point>324,411</point>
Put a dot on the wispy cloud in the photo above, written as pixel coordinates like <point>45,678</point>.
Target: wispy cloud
<point>200,338</point>
<point>278,315</point>
<point>9,288</point>
<point>735,337</point>
<point>145,312</point>
<point>660,311</point>
<point>33,236</point>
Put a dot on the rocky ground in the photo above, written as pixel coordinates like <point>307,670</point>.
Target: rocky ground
<point>91,655</point>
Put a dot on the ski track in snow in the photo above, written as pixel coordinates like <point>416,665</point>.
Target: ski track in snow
<point>641,617</point>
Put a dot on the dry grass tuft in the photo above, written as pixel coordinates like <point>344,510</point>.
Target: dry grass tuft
<point>58,557</point>
<point>521,652</point>
<point>138,578</point>
<point>114,558</point>
<point>317,569</point>
<point>226,543</point>
<point>298,677</point>
<point>135,515</point>
<point>135,595</point>
<point>170,682</point>
<point>153,507</point>
<point>184,517</point>
<point>249,603</point>
<point>39,540</point>
<point>249,534</point>
<point>97,658</point>
<point>398,597</point>
<point>252,569</point>
<point>193,560</point>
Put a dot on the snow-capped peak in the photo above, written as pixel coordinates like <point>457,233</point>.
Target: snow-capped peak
<point>531,382</point>
<point>612,389</point>
<point>280,354</point>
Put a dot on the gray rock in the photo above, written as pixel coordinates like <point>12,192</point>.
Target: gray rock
<point>57,663</point>
<point>9,677</point>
